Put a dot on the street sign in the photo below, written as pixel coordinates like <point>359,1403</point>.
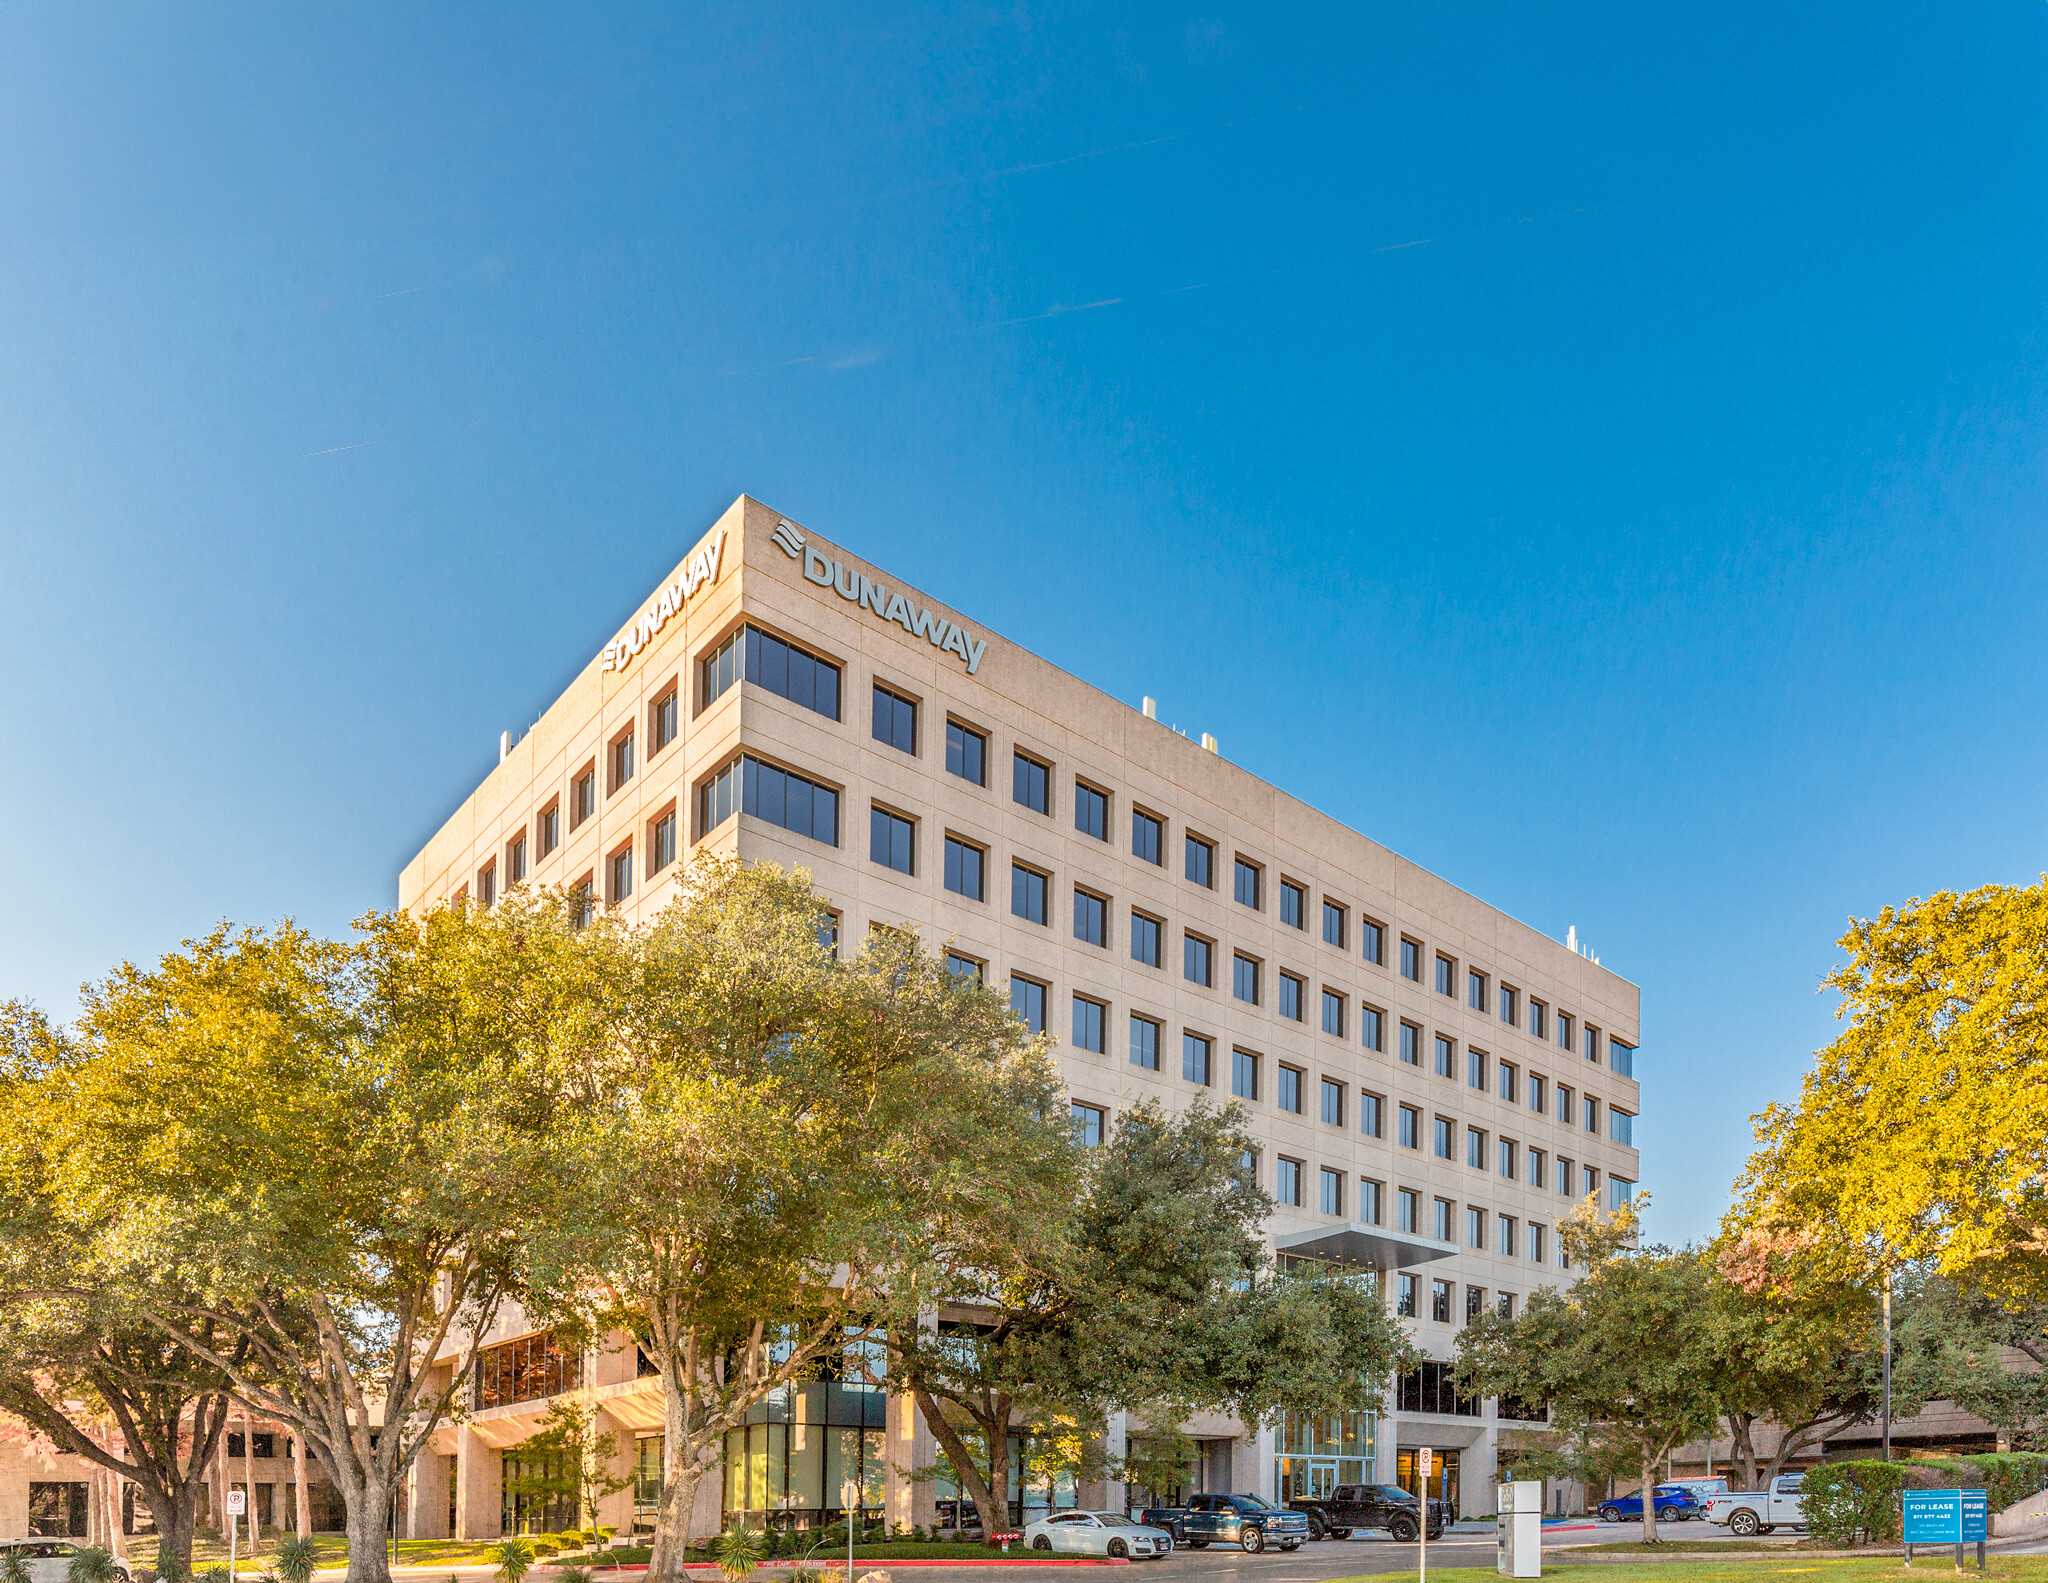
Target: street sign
<point>238,1503</point>
<point>1422,1466</point>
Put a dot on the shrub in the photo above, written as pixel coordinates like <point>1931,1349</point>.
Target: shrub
<point>1850,1501</point>
<point>13,1566</point>
<point>738,1551</point>
<point>514,1558</point>
<point>573,1575</point>
<point>93,1564</point>
<point>214,1574</point>
<point>2004,1476</point>
<point>297,1556</point>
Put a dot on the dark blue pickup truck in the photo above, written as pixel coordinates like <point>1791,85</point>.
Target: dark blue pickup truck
<point>1241,1520</point>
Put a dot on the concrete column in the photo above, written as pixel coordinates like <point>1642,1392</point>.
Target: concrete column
<point>616,1509</point>
<point>477,1512</point>
<point>1116,1440</point>
<point>899,1492</point>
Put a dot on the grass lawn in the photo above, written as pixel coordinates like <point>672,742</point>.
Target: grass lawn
<point>1755,1568</point>
<point>333,1549</point>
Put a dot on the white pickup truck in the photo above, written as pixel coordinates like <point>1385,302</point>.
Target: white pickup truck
<point>1759,1511</point>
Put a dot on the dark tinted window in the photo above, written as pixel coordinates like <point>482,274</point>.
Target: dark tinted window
<point>1091,918</point>
<point>1201,862</point>
<point>781,668</point>
<point>963,868</point>
<point>1247,887</point>
<point>780,797</point>
<point>1030,784</point>
<point>1145,836</point>
<point>1091,812</point>
<point>966,754</point>
<point>1027,893</point>
<point>1290,904</point>
<point>895,720</point>
<point>1144,939</point>
<point>889,840</point>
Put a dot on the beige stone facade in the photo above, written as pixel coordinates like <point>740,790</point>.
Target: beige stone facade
<point>1486,998</point>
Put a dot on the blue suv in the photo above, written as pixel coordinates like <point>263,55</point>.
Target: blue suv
<point>1675,1504</point>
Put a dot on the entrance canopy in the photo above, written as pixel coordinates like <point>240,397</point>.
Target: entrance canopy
<point>1372,1247</point>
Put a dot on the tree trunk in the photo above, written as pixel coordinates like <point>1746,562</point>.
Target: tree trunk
<point>1740,1426</point>
<point>1649,1499</point>
<point>174,1518</point>
<point>991,1507</point>
<point>367,1515</point>
<point>301,1501</point>
<point>672,1521</point>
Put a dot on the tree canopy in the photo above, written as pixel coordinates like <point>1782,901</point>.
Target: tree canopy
<point>1921,1133</point>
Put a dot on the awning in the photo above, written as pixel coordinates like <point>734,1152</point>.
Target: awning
<point>1371,1246</point>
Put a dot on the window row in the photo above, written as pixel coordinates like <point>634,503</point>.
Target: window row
<point>788,670</point>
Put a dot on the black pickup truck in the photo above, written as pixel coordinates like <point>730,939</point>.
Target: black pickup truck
<point>1241,1520</point>
<point>1349,1507</point>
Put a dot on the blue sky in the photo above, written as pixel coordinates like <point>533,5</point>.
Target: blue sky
<point>1595,451</point>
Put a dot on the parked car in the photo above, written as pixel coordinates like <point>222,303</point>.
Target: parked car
<point>1759,1511</point>
<point>1674,1505</point>
<point>49,1560</point>
<point>1703,1490</point>
<point>1242,1520</point>
<point>1349,1507</point>
<point>1099,1534</point>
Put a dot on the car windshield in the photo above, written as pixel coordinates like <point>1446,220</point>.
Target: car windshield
<point>1394,1492</point>
<point>1114,1520</point>
<point>1252,1503</point>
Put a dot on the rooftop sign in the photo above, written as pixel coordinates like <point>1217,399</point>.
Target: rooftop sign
<point>855,588</point>
<point>698,570</point>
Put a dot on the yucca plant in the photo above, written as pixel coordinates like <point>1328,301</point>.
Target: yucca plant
<point>215,1574</point>
<point>13,1566</point>
<point>737,1552</point>
<point>514,1558</point>
<point>297,1556</point>
<point>572,1574</point>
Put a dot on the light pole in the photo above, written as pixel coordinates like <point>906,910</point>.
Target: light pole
<point>1887,1363</point>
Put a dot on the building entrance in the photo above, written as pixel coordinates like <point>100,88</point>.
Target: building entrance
<point>1443,1477</point>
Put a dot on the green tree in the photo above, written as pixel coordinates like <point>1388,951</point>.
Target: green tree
<point>305,1145</point>
<point>1921,1133</point>
<point>73,1357</point>
<point>1625,1358</point>
<point>1149,1290</point>
<point>574,1459</point>
<point>769,1142</point>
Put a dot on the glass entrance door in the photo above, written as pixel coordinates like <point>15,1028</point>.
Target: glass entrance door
<point>1322,1480</point>
<point>1443,1477</point>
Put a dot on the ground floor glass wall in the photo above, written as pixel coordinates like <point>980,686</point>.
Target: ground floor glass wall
<point>534,1495</point>
<point>1318,1451</point>
<point>1443,1477</point>
<point>787,1466</point>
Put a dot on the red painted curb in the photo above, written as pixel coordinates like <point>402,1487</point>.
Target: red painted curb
<point>872,1566</point>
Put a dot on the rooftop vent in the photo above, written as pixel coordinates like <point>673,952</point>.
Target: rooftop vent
<point>1208,742</point>
<point>1151,708</point>
<point>504,745</point>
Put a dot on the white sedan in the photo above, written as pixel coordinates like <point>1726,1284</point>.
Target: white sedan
<point>1098,1534</point>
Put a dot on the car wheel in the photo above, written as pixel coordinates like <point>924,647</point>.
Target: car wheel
<point>1042,1542</point>
<point>1119,1549</point>
<point>1292,1545</point>
<point>1610,1514</point>
<point>1767,1528</point>
<point>1253,1540</point>
<point>1404,1530</point>
<point>1340,1533</point>
<point>1315,1529</point>
<point>1668,1514</point>
<point>1743,1524</point>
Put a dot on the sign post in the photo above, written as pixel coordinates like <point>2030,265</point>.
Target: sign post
<point>1422,1459</point>
<point>238,1503</point>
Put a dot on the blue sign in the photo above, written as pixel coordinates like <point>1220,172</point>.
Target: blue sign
<point>1944,1517</point>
